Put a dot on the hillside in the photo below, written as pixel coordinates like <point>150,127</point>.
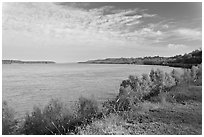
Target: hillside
<point>186,60</point>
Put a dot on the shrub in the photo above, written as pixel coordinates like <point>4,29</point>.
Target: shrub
<point>87,109</point>
<point>199,75</point>
<point>146,83</point>
<point>9,122</point>
<point>125,83</point>
<point>157,78</point>
<point>127,99</point>
<point>176,75</point>
<point>156,86</point>
<point>169,82</point>
<point>109,106</point>
<point>192,76</point>
<point>139,87</point>
<point>186,77</point>
<point>34,123</point>
<point>53,119</point>
<point>196,73</point>
<point>184,93</point>
<point>145,88</point>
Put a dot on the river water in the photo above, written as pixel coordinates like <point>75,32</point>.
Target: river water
<point>27,85</point>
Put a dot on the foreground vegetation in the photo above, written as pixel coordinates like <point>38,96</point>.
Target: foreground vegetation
<point>154,103</point>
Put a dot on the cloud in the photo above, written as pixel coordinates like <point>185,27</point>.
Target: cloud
<point>176,46</point>
<point>73,23</point>
<point>165,26</point>
<point>187,33</point>
<point>149,15</point>
<point>74,4</point>
<point>52,20</point>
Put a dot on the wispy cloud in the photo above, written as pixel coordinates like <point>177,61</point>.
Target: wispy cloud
<point>55,20</point>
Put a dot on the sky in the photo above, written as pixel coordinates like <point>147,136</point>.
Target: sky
<point>71,32</point>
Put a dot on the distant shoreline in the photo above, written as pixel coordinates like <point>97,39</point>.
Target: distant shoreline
<point>183,61</point>
<point>26,62</point>
<point>169,65</point>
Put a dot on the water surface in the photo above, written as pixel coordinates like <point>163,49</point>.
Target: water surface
<point>26,85</point>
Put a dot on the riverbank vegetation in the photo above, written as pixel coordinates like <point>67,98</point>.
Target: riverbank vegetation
<point>154,103</point>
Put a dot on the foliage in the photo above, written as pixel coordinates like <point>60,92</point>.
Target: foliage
<point>192,76</point>
<point>196,74</point>
<point>9,122</point>
<point>87,110</point>
<point>176,75</point>
<point>148,87</point>
<point>184,93</point>
<point>53,119</point>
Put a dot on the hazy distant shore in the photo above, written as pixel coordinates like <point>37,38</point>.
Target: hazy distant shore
<point>26,62</point>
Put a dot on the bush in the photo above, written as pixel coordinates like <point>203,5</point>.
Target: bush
<point>184,93</point>
<point>9,122</point>
<point>146,83</point>
<point>87,109</point>
<point>176,75</point>
<point>169,82</point>
<point>156,86</point>
<point>192,76</point>
<point>160,82</point>
<point>53,119</point>
<point>127,99</point>
<point>196,73</point>
<point>199,75</point>
<point>137,89</point>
